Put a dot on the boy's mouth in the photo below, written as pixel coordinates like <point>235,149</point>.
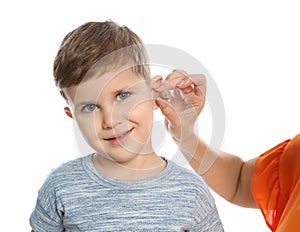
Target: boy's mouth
<point>118,139</point>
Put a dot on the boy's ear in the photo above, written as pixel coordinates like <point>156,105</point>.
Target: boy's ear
<point>68,112</point>
<point>155,83</point>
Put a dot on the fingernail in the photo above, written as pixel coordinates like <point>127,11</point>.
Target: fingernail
<point>161,104</point>
<point>180,83</point>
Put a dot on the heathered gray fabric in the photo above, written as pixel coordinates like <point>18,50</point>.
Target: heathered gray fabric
<point>76,197</point>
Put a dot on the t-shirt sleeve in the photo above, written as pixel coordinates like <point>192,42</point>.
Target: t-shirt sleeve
<point>207,214</point>
<point>274,176</point>
<point>47,215</point>
<point>211,222</point>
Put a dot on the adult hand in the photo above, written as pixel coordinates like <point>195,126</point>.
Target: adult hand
<point>184,104</point>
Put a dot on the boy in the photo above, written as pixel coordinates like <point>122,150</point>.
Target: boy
<point>101,70</point>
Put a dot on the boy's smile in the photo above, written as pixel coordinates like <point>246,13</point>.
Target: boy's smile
<point>119,138</point>
<point>115,115</point>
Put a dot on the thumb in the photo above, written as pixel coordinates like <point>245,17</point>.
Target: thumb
<point>168,112</point>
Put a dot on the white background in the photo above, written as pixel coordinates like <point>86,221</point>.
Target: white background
<point>251,49</point>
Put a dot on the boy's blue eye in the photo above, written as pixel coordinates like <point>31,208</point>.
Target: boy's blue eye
<point>90,108</point>
<point>123,95</point>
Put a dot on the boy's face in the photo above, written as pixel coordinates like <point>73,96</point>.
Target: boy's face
<point>114,113</point>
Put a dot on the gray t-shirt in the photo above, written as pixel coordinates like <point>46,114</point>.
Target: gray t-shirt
<point>77,197</point>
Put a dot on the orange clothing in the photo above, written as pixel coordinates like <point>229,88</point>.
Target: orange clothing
<point>276,186</point>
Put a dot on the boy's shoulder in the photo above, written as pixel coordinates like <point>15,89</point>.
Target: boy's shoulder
<point>186,175</point>
<point>189,183</point>
<point>66,172</point>
<point>69,166</point>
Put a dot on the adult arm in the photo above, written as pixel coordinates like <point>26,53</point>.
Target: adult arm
<point>227,174</point>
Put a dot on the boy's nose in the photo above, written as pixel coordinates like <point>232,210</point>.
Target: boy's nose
<point>110,118</point>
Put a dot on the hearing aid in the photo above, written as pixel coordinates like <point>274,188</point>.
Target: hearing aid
<point>164,91</point>
<point>165,94</point>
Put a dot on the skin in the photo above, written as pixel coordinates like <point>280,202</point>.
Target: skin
<point>115,115</point>
<point>227,174</point>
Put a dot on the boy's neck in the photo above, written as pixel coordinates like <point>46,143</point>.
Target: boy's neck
<point>142,167</point>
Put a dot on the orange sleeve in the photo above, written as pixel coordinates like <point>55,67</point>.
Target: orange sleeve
<point>276,186</point>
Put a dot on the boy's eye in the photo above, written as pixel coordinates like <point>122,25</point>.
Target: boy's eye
<point>123,95</point>
<point>90,107</point>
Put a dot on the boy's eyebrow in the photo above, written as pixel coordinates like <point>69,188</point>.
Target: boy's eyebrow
<point>131,87</point>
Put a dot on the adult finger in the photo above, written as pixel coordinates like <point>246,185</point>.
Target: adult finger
<point>169,112</point>
<point>175,77</point>
<point>195,91</point>
<point>193,80</point>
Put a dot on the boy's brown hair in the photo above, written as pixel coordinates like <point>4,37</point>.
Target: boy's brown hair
<point>84,47</point>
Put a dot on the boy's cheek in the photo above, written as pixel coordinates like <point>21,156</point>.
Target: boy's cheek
<point>87,126</point>
<point>90,135</point>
